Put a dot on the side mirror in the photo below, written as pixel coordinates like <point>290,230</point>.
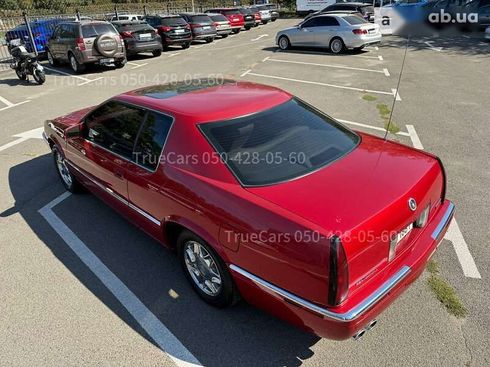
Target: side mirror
<point>75,131</point>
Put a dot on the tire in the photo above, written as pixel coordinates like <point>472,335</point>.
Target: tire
<point>75,65</point>
<point>157,53</point>
<point>39,77</point>
<point>21,76</point>
<point>209,40</point>
<point>247,27</point>
<point>284,43</point>
<point>107,44</point>
<point>336,45</point>
<point>67,179</point>
<point>206,271</point>
<point>264,22</point>
<point>236,31</point>
<point>119,64</point>
<point>186,45</point>
<point>52,61</point>
<point>224,35</point>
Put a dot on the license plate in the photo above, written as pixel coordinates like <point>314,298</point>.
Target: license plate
<point>403,233</point>
<point>179,31</point>
<point>145,35</point>
<point>206,27</point>
<point>234,19</point>
<point>106,61</point>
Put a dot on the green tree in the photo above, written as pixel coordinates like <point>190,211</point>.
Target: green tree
<point>9,4</point>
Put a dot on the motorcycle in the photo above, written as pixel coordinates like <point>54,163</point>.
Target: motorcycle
<point>26,63</point>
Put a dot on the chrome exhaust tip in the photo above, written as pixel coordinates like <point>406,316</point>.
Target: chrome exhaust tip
<point>359,334</point>
<point>371,325</point>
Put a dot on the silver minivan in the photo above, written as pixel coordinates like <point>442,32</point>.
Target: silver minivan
<point>86,42</point>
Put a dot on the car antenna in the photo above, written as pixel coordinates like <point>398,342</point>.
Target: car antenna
<point>397,89</point>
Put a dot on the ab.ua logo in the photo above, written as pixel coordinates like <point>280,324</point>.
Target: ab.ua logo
<point>447,18</point>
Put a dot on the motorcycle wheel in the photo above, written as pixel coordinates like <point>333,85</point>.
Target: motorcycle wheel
<point>39,76</point>
<point>20,75</point>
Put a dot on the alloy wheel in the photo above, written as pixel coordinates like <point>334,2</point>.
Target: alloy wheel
<point>202,268</point>
<point>63,170</point>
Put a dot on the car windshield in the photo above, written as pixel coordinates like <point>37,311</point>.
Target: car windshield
<point>245,11</point>
<point>201,19</point>
<point>354,20</point>
<point>171,21</point>
<point>96,29</point>
<point>283,143</point>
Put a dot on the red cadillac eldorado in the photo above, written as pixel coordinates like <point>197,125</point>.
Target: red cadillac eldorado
<point>263,197</point>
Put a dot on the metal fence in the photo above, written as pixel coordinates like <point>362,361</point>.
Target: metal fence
<point>34,28</point>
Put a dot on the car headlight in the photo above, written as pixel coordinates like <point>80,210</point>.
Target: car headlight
<point>423,218</point>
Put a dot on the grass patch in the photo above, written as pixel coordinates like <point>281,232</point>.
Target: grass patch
<point>444,292</point>
<point>384,110</point>
<point>393,128</point>
<point>369,98</point>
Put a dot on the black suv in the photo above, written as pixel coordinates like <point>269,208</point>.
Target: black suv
<point>248,17</point>
<point>139,36</point>
<point>173,29</point>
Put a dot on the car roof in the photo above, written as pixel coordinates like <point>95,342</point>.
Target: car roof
<point>204,100</point>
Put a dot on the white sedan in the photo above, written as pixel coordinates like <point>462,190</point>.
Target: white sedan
<point>334,31</point>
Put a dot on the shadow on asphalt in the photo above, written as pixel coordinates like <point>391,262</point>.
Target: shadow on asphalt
<point>237,336</point>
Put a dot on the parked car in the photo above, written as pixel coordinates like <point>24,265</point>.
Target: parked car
<point>234,16</point>
<point>41,32</point>
<point>126,17</point>
<point>202,26</point>
<point>265,14</point>
<point>366,11</point>
<point>273,10</point>
<point>139,36</point>
<point>172,28</point>
<point>257,15</point>
<point>334,31</point>
<point>352,216</point>
<point>222,24</point>
<point>248,18</point>
<point>86,42</point>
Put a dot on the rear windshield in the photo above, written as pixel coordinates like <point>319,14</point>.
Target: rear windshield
<point>173,21</point>
<point>230,12</point>
<point>354,19</point>
<point>219,18</point>
<point>96,29</point>
<point>245,11</point>
<point>201,19</point>
<point>132,27</point>
<point>279,144</point>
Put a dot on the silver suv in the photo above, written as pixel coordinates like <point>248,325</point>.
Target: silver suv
<point>86,42</point>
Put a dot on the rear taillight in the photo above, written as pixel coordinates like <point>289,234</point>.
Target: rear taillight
<point>80,44</point>
<point>166,29</point>
<point>423,218</point>
<point>338,282</point>
<point>360,31</point>
<point>187,26</point>
<point>215,24</point>
<point>126,35</point>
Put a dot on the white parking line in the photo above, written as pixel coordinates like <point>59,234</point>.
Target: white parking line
<point>453,233</point>
<point>26,135</point>
<point>174,54</point>
<point>387,73</point>
<point>396,94</point>
<point>259,37</point>
<point>10,104</point>
<point>85,80</point>
<point>148,321</point>
<point>321,84</point>
<point>384,71</point>
<point>402,133</point>
<point>380,58</point>
<point>245,73</point>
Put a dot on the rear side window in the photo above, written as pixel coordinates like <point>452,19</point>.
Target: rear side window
<point>327,21</point>
<point>115,126</point>
<point>279,144</point>
<point>151,140</point>
<point>354,20</point>
<point>96,29</point>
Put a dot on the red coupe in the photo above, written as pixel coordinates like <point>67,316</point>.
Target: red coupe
<point>263,197</point>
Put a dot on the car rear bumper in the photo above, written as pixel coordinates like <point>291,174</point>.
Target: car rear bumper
<point>360,41</point>
<point>135,47</point>
<point>86,57</point>
<point>226,31</point>
<point>346,320</point>
<point>201,36</point>
<point>177,40</point>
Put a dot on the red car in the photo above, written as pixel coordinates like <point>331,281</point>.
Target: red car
<point>262,196</point>
<point>237,21</point>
